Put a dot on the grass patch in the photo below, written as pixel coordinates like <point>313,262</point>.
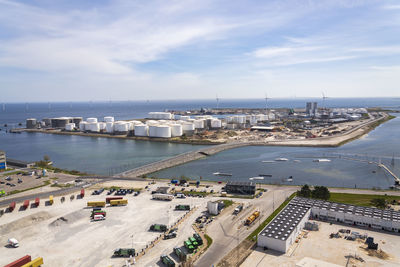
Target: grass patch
<point>242,196</point>
<point>359,199</point>
<point>253,235</point>
<point>23,190</point>
<point>227,202</point>
<point>209,241</point>
<point>12,173</point>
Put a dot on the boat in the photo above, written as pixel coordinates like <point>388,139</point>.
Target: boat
<point>321,160</point>
<point>222,174</point>
<point>296,160</point>
<point>281,159</point>
<point>290,179</point>
<point>256,178</point>
<point>265,175</point>
<point>267,161</point>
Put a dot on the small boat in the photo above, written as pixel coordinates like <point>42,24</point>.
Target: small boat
<point>222,174</point>
<point>281,159</point>
<point>321,160</point>
<point>296,160</point>
<point>265,175</point>
<point>256,178</point>
<point>290,179</point>
<point>267,161</point>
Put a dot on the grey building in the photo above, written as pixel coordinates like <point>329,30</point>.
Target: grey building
<point>244,188</point>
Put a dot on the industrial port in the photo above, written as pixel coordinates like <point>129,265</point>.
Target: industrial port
<point>311,126</point>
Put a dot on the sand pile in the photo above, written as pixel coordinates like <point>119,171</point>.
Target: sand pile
<point>24,222</point>
<point>69,218</point>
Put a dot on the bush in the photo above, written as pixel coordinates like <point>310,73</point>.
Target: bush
<point>305,191</point>
<point>379,203</point>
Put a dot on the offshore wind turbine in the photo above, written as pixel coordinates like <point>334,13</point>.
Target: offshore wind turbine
<point>266,102</point>
<point>323,99</point>
<point>216,98</point>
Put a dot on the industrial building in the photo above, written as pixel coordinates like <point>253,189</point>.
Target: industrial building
<point>244,188</point>
<point>3,160</point>
<point>282,231</point>
<point>311,108</point>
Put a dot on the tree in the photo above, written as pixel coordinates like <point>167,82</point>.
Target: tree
<point>380,203</point>
<point>320,192</point>
<point>46,158</point>
<point>305,191</point>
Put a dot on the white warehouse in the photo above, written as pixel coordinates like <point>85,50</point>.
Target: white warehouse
<point>282,231</point>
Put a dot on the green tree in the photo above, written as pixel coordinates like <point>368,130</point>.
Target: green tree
<point>320,192</point>
<point>46,158</point>
<point>380,203</point>
<point>305,191</point>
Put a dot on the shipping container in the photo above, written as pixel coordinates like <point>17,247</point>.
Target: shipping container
<point>26,204</point>
<point>108,199</point>
<point>12,206</point>
<point>96,204</point>
<point>118,202</point>
<point>51,200</point>
<point>35,263</point>
<point>82,193</point>
<point>37,202</point>
<point>20,262</point>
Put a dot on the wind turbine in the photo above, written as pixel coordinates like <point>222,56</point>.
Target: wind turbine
<point>266,102</point>
<point>323,99</point>
<point>216,98</point>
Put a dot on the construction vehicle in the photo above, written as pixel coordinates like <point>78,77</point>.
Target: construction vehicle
<point>118,202</point>
<point>252,218</point>
<point>35,263</point>
<point>198,239</point>
<point>124,252</point>
<point>238,209</point>
<point>158,228</point>
<point>182,207</point>
<point>167,261</point>
<point>96,204</point>
<point>181,255</point>
<point>51,200</point>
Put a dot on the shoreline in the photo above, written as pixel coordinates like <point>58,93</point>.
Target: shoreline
<point>331,141</point>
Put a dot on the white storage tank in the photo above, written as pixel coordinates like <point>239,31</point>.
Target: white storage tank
<point>91,120</point>
<point>109,119</point>
<point>109,127</point>
<point>216,123</point>
<point>199,124</point>
<point>185,118</point>
<point>176,130</point>
<point>93,127</point>
<point>82,126</point>
<point>102,125</point>
<point>121,127</point>
<point>151,122</point>
<point>188,126</point>
<point>141,130</point>
<point>153,130</point>
<point>70,126</point>
<point>177,117</point>
<point>163,131</point>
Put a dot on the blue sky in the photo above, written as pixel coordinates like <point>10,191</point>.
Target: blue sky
<point>118,50</point>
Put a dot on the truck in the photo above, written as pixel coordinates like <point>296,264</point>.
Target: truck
<point>98,217</point>
<point>96,204</point>
<point>51,200</point>
<point>98,212</point>
<point>252,218</point>
<point>198,239</point>
<point>182,207</point>
<point>21,261</point>
<point>26,204</point>
<point>12,242</point>
<point>124,252</point>
<point>158,228</point>
<point>35,263</point>
<point>108,199</point>
<point>167,261</point>
<point>118,202</point>
<point>181,255</point>
<point>238,209</point>
<point>194,242</point>
<point>12,206</point>
<point>167,197</point>
<point>82,193</point>
<point>170,235</point>
<point>188,245</point>
<point>37,202</point>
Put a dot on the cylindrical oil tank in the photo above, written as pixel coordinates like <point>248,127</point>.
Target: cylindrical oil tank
<point>141,130</point>
<point>188,126</point>
<point>151,122</point>
<point>77,120</point>
<point>31,123</point>
<point>91,120</point>
<point>109,119</point>
<point>216,123</point>
<point>185,118</point>
<point>47,121</point>
<point>177,117</point>
<point>176,130</point>
<point>70,126</point>
<point>82,126</point>
<point>102,125</point>
<point>109,127</point>
<point>153,130</point>
<point>199,124</point>
<point>93,127</point>
<point>121,127</point>
<point>163,131</point>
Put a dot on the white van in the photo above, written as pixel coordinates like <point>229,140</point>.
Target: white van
<point>13,242</point>
<point>98,217</point>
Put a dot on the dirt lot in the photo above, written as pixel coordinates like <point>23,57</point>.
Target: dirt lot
<point>339,251</point>
<point>64,235</point>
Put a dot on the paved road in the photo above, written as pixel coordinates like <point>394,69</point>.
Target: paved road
<point>226,229</point>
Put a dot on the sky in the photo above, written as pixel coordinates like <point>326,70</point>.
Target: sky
<point>84,50</point>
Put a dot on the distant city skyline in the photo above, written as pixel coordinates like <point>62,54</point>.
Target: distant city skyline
<point>133,50</point>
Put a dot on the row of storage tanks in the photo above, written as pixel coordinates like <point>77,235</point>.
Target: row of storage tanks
<point>252,119</point>
<point>151,128</point>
